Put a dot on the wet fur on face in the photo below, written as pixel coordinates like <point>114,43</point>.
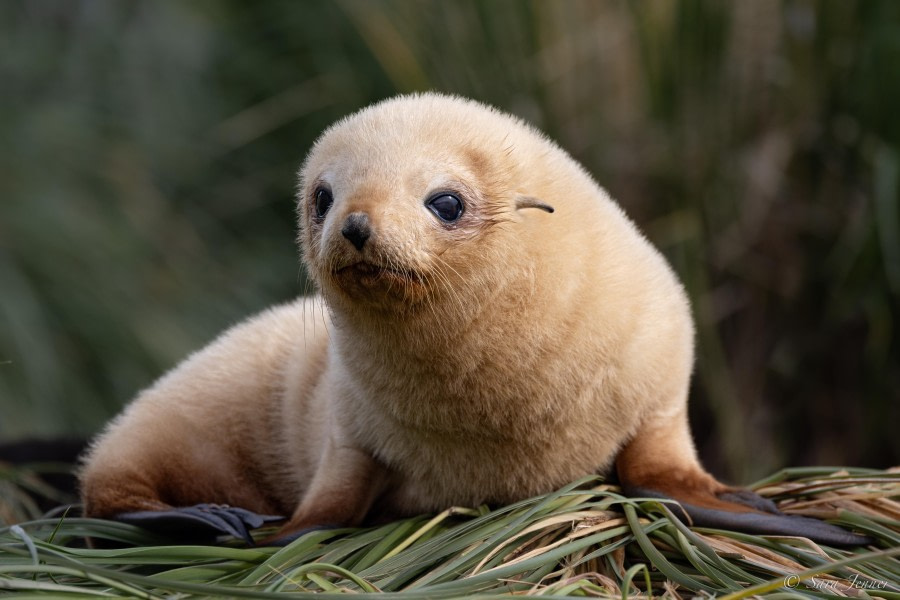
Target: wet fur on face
<point>387,166</point>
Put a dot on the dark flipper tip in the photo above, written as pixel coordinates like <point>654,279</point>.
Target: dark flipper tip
<point>776,524</point>
<point>765,519</point>
<point>199,523</point>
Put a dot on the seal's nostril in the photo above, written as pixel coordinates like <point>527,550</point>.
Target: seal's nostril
<point>357,229</point>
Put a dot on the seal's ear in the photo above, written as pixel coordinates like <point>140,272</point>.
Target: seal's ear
<point>530,202</point>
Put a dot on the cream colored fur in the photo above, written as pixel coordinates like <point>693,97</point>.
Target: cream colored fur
<point>500,357</point>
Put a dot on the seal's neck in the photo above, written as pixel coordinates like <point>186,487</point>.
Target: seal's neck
<point>454,323</point>
<point>483,374</point>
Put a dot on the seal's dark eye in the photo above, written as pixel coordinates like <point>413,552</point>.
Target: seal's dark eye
<point>447,207</point>
<point>323,202</point>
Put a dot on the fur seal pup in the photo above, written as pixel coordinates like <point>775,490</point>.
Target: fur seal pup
<point>490,326</point>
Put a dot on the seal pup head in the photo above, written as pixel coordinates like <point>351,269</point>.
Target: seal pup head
<point>413,202</point>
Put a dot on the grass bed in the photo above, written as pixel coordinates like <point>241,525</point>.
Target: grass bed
<point>584,540</point>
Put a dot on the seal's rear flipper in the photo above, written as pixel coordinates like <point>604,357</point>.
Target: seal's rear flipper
<point>201,522</point>
<point>762,517</point>
<point>660,462</point>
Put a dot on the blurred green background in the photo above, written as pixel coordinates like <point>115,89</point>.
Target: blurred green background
<point>148,153</point>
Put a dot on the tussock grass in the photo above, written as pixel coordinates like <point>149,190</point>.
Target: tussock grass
<point>584,540</point>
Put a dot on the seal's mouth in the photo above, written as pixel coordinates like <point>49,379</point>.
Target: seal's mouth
<point>369,274</point>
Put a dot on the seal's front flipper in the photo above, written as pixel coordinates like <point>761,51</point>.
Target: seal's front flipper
<point>200,522</point>
<point>340,494</point>
<point>743,510</point>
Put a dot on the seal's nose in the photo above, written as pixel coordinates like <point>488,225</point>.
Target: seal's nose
<point>357,229</point>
